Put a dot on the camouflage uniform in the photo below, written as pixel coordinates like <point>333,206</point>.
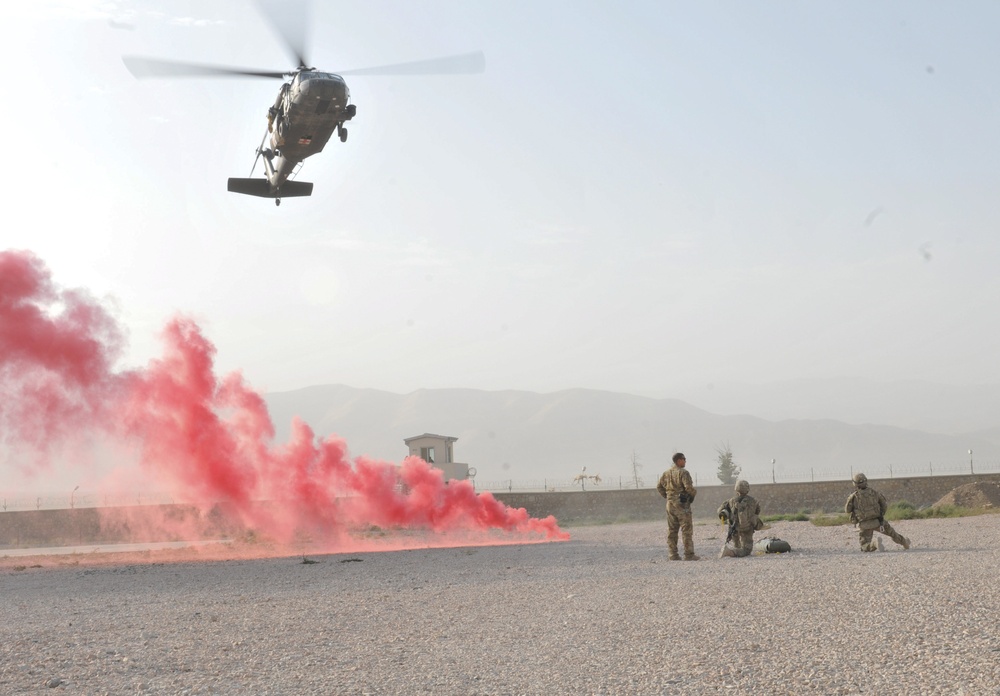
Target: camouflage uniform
<point>867,507</point>
<point>747,520</point>
<point>675,483</point>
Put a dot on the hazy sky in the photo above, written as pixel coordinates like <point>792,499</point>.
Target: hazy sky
<point>633,196</point>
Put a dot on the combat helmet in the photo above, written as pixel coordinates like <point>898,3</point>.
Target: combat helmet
<point>742,487</point>
<point>860,480</point>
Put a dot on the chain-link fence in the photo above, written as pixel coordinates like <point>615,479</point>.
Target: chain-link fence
<point>784,473</point>
<point>777,474</point>
<point>592,483</point>
<point>871,470</point>
<point>76,500</point>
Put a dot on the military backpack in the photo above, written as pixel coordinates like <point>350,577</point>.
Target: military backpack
<point>745,509</point>
<point>866,505</point>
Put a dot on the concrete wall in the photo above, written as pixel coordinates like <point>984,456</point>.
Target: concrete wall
<point>109,525</point>
<point>774,498</point>
<point>143,523</point>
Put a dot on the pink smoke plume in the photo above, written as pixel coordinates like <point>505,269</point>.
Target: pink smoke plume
<point>209,440</point>
<point>56,352</point>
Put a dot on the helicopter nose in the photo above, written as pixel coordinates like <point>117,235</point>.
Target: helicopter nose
<point>326,90</point>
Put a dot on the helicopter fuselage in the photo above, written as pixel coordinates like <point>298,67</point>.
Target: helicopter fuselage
<point>306,113</point>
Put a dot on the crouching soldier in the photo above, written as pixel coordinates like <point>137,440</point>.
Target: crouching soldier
<point>743,515</point>
<point>867,507</point>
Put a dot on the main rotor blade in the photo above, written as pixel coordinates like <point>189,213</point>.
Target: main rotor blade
<point>289,19</point>
<point>154,67</point>
<point>464,64</point>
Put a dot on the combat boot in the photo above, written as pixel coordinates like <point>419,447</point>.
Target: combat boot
<point>673,557</point>
<point>727,553</point>
<point>692,557</point>
<point>906,543</point>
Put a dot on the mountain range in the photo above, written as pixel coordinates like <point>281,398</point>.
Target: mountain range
<point>528,438</point>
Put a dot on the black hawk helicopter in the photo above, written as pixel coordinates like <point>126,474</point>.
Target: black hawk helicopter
<point>310,107</point>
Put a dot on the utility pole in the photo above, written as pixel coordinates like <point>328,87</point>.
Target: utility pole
<point>635,468</point>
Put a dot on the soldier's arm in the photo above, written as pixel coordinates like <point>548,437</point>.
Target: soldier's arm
<point>688,485</point>
<point>849,508</point>
<point>882,505</point>
<point>661,489</point>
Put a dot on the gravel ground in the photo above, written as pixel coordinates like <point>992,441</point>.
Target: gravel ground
<point>604,613</point>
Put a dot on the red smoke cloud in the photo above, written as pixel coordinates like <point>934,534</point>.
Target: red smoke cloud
<point>56,352</point>
<point>208,439</point>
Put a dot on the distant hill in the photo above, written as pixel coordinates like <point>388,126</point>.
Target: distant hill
<point>912,404</point>
<point>528,436</point>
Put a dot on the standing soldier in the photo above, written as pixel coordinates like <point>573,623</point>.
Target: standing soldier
<point>867,507</point>
<point>743,515</point>
<point>676,486</point>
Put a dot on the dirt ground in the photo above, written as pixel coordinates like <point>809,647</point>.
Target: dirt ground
<point>973,495</point>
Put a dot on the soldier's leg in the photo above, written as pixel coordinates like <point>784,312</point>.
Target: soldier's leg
<point>865,537</point>
<point>742,544</point>
<point>673,525</point>
<point>687,531</point>
<point>895,536</point>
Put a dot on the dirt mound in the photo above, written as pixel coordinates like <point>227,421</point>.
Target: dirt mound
<point>973,495</point>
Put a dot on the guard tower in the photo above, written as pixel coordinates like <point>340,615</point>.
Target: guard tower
<point>438,451</point>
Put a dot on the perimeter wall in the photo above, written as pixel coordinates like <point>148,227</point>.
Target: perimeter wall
<point>583,507</point>
<point>130,524</point>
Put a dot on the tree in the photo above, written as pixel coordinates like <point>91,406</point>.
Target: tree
<point>728,469</point>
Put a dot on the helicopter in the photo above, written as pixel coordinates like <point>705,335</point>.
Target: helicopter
<point>310,106</point>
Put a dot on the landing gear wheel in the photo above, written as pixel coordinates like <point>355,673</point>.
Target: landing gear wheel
<point>343,135</point>
<point>277,201</point>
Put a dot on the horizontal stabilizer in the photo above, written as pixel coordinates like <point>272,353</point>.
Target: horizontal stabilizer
<point>260,187</point>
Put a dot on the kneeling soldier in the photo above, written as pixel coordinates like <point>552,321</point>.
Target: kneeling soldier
<point>867,507</point>
<point>743,515</point>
